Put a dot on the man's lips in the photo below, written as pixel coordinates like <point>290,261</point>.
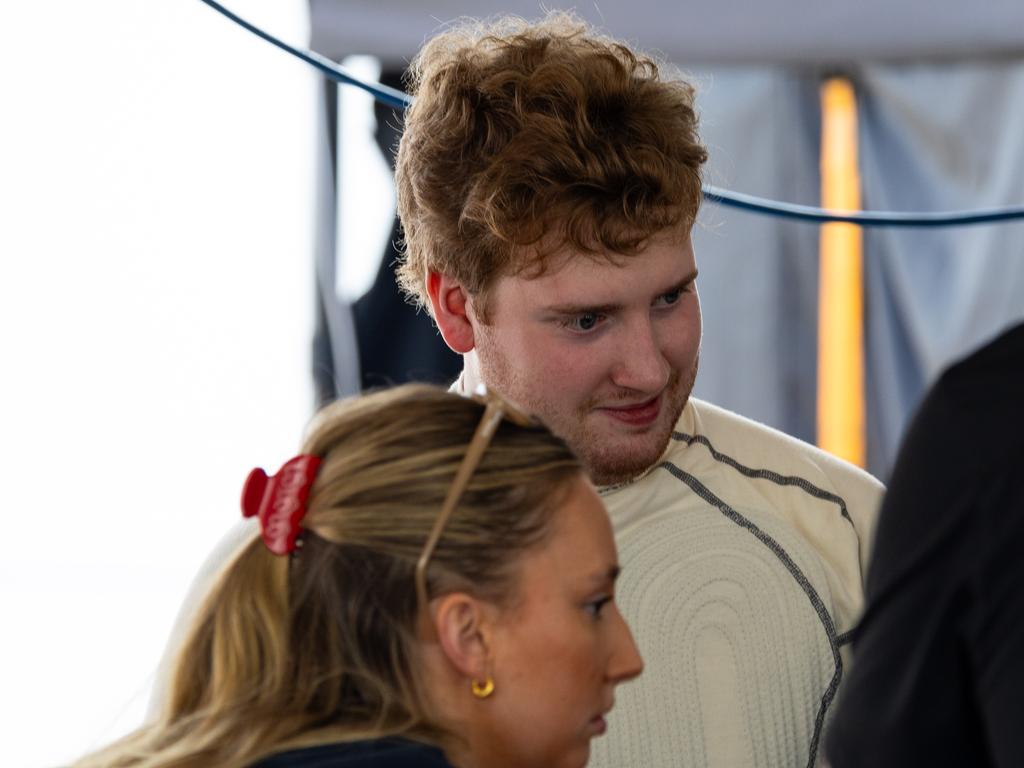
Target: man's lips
<point>638,414</point>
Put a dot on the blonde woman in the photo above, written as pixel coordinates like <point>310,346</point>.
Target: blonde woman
<point>430,583</point>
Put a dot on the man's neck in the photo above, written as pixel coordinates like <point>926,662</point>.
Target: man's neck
<point>470,378</point>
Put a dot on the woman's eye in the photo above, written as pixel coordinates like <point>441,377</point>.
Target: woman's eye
<point>594,606</point>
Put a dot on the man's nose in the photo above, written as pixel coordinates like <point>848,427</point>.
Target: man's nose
<point>641,366</point>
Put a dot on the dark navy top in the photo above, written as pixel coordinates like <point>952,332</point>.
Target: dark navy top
<point>379,753</point>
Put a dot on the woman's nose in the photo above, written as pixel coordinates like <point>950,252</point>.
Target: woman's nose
<point>625,662</point>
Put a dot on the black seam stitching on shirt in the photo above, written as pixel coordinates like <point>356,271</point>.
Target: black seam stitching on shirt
<point>767,474</point>
<point>819,607</point>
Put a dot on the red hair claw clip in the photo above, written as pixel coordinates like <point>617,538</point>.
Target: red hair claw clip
<point>279,501</point>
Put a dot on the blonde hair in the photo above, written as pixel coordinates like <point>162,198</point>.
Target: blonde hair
<point>527,137</point>
<point>321,647</point>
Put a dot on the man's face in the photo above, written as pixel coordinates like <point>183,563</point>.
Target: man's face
<point>606,355</point>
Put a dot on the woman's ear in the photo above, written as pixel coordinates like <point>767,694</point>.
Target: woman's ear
<point>448,303</point>
<point>465,627</point>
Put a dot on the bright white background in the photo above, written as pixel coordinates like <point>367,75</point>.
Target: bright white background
<point>156,287</point>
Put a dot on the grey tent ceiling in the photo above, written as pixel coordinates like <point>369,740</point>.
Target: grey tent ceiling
<point>725,31</point>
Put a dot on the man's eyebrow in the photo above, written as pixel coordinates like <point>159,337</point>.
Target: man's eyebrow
<point>608,309</point>
<point>582,309</point>
<point>690,278</point>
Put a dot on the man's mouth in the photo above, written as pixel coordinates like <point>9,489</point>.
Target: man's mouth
<point>640,414</point>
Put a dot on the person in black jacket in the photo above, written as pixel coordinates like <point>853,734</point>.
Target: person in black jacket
<point>938,673</point>
<point>429,583</point>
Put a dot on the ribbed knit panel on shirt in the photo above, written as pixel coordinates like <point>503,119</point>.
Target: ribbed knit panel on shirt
<point>742,558</point>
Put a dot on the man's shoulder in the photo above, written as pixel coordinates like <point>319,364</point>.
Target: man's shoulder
<point>734,474</point>
<point>731,437</point>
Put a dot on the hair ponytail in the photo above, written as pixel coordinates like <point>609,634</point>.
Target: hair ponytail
<point>237,652</point>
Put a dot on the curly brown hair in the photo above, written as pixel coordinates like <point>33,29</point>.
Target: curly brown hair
<point>525,138</point>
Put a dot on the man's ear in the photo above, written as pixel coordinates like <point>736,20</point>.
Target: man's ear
<point>449,300</point>
<point>464,627</point>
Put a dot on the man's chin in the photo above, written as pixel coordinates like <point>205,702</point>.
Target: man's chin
<point>616,454</point>
<point>604,476</point>
<point>619,459</point>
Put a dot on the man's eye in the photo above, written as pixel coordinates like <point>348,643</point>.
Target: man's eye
<point>671,297</point>
<point>585,322</point>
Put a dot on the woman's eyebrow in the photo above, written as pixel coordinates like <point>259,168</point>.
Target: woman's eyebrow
<point>610,574</point>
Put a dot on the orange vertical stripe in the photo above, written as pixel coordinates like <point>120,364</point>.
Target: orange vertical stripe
<point>841,408</point>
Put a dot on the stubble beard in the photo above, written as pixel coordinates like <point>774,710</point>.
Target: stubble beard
<point>610,459</point>
<point>613,462</point>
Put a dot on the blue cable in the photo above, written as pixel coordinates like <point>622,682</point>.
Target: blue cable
<point>400,100</point>
<point>861,218</point>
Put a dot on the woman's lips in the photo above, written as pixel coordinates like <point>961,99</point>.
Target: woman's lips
<point>639,415</point>
<point>599,725</point>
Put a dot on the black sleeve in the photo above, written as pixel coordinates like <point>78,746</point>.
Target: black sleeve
<point>937,677</point>
<point>996,628</point>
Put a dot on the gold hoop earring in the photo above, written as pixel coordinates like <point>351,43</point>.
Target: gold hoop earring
<point>484,689</point>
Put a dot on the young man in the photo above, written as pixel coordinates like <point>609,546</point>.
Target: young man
<point>547,180</point>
